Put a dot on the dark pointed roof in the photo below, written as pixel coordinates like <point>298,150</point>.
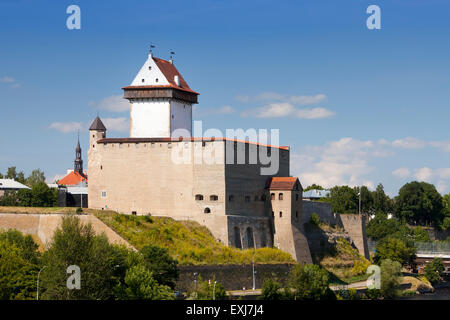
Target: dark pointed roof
<point>78,148</point>
<point>97,125</point>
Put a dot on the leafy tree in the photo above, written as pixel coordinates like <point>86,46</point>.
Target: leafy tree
<point>313,187</point>
<point>421,234</point>
<point>43,196</point>
<point>18,266</point>
<point>366,199</point>
<point>446,212</point>
<point>390,278</point>
<point>310,282</point>
<point>380,227</point>
<point>99,262</point>
<point>271,290</point>
<point>343,199</point>
<point>434,271</point>
<point>140,284</point>
<point>24,197</point>
<point>395,249</point>
<point>419,203</point>
<point>381,202</point>
<point>20,177</point>
<point>11,173</point>
<point>1,175</point>
<point>36,177</point>
<point>161,264</point>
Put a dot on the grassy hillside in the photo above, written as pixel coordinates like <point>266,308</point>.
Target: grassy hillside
<point>187,241</point>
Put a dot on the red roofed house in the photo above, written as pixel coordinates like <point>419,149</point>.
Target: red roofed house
<point>77,176</point>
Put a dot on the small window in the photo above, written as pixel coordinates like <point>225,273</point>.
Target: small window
<point>101,167</point>
<point>203,143</point>
<point>150,68</point>
<point>281,214</point>
<point>172,116</point>
<point>156,80</point>
<point>280,196</point>
<point>198,197</point>
<point>93,146</point>
<point>143,80</point>
<point>296,214</point>
<point>247,198</point>
<point>213,197</point>
<point>269,152</point>
<point>133,213</point>
<point>272,196</point>
<point>207,210</point>
<point>230,198</point>
<point>103,194</point>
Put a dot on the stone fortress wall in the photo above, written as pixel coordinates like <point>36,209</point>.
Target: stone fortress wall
<point>44,225</point>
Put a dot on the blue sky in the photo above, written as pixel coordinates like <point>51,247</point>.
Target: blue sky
<point>356,106</point>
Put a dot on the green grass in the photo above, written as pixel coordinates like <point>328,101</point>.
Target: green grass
<point>187,241</point>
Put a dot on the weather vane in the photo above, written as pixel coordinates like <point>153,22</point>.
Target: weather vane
<point>171,53</point>
<point>151,47</point>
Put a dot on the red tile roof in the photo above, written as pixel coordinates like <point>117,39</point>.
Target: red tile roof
<point>72,179</point>
<point>143,140</point>
<point>170,71</point>
<point>283,183</point>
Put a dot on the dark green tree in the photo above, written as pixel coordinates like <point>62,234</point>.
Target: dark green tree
<point>75,243</point>
<point>419,203</point>
<point>394,249</point>
<point>11,173</point>
<point>310,282</point>
<point>163,267</point>
<point>313,187</point>
<point>271,290</point>
<point>381,202</point>
<point>18,266</point>
<point>434,271</point>
<point>390,278</point>
<point>43,196</point>
<point>35,177</point>
<point>343,199</point>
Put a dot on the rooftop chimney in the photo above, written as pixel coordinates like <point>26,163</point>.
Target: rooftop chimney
<point>176,78</point>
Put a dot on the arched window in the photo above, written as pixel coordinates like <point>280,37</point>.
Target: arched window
<point>250,241</point>
<point>213,197</point>
<point>198,197</point>
<point>272,196</point>
<point>207,210</point>
<point>280,196</point>
<point>237,238</point>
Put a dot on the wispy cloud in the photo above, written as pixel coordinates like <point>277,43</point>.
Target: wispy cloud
<point>120,124</point>
<point>67,127</point>
<point>402,172</point>
<point>277,110</point>
<point>300,100</point>
<point>202,111</point>
<point>112,103</point>
<point>11,81</point>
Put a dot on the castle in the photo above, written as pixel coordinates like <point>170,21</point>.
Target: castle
<point>225,184</point>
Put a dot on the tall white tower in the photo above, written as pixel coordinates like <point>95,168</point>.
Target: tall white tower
<point>161,101</point>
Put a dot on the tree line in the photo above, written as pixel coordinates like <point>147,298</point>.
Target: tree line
<point>417,203</point>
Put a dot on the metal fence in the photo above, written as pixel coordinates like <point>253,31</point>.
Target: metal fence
<point>433,247</point>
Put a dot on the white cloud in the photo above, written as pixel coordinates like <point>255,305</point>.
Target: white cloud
<point>442,145</point>
<point>7,79</point>
<point>273,96</point>
<point>341,162</point>
<point>112,124</point>
<point>66,127</point>
<point>315,113</point>
<point>11,81</point>
<point>113,104</point>
<point>201,111</point>
<point>285,109</point>
<point>117,124</point>
<point>409,143</point>
<point>423,174</point>
<point>402,172</point>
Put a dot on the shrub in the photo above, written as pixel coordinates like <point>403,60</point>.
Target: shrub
<point>271,290</point>
<point>79,211</point>
<point>315,219</point>
<point>434,271</point>
<point>310,282</point>
<point>390,278</point>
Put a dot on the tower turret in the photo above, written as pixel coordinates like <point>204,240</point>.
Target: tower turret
<point>160,101</point>
<point>78,163</point>
<point>97,131</point>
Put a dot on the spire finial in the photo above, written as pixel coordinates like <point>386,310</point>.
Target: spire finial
<point>172,53</point>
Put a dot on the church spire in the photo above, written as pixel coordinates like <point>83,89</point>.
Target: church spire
<point>78,163</point>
